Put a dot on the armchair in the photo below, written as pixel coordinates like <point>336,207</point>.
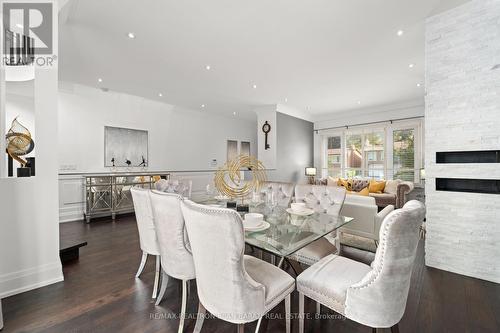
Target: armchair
<point>373,295</point>
<point>367,218</point>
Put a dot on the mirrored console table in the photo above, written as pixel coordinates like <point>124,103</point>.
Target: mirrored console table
<point>109,194</point>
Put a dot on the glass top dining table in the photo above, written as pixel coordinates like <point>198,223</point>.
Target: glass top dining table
<point>287,233</point>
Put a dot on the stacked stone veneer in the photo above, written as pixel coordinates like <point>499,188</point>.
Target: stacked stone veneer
<point>463,113</point>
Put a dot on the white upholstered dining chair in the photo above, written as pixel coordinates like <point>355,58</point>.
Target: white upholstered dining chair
<point>182,187</point>
<point>231,285</point>
<point>176,258</point>
<point>373,295</point>
<point>147,232</point>
<point>283,192</point>
<point>322,199</point>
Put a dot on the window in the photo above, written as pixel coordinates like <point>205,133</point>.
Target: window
<point>334,161</point>
<point>382,152</point>
<point>403,154</point>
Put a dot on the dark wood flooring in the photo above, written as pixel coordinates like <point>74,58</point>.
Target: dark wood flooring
<point>101,294</point>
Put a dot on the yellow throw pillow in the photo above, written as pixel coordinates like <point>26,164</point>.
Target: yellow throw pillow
<point>364,191</point>
<point>376,187</point>
<point>347,183</point>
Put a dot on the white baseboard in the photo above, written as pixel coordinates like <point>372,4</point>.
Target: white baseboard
<point>28,279</point>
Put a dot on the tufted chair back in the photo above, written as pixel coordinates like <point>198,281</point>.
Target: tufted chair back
<point>218,242</point>
<point>182,187</point>
<point>144,218</point>
<point>379,299</point>
<point>283,190</point>
<point>321,198</point>
<point>176,260</point>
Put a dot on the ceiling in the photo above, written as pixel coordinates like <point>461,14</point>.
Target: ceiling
<point>318,56</point>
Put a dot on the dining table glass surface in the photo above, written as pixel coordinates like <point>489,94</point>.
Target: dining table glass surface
<point>287,232</point>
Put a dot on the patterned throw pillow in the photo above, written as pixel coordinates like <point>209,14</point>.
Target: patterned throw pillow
<point>376,187</point>
<point>346,183</point>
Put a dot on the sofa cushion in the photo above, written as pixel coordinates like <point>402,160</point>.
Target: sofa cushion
<point>347,183</point>
<point>330,181</point>
<point>364,191</point>
<point>384,199</point>
<point>376,186</point>
<point>359,184</point>
<point>391,186</point>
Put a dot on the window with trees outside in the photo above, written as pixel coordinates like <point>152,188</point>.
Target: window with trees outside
<point>382,152</point>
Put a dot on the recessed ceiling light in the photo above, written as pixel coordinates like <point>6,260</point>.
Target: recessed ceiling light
<point>418,84</point>
<point>255,86</point>
<point>411,65</point>
<point>286,100</point>
<point>234,113</point>
<point>99,80</point>
<point>131,35</point>
<point>359,102</point>
<point>203,105</point>
<point>207,67</point>
<point>160,95</point>
<point>400,33</point>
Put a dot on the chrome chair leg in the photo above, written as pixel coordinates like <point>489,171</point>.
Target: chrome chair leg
<point>318,307</point>
<point>288,314</point>
<point>143,263</point>
<point>157,277</point>
<point>164,284</point>
<point>241,328</point>
<point>183,306</point>
<point>258,325</point>
<point>201,317</point>
<point>301,313</point>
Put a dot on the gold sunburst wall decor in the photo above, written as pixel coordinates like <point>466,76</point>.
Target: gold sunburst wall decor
<point>229,182</point>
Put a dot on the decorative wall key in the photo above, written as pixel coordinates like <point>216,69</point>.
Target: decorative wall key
<point>266,128</point>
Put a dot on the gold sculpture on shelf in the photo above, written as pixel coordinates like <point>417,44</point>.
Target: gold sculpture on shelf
<point>229,182</point>
<point>19,142</point>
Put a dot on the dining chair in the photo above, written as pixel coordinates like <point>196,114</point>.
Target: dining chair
<point>322,199</point>
<point>147,233</point>
<point>231,285</point>
<point>373,295</point>
<point>283,192</point>
<point>182,187</point>
<point>176,258</point>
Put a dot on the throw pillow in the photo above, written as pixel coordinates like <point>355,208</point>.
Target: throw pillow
<point>391,186</point>
<point>332,181</point>
<point>346,183</point>
<point>376,187</point>
<point>364,191</point>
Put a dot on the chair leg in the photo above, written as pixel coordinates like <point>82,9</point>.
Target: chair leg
<point>143,263</point>
<point>200,318</point>
<point>164,284</point>
<point>188,288</point>
<point>241,328</point>
<point>318,307</point>
<point>258,325</point>
<point>288,313</point>
<point>395,328</point>
<point>183,306</point>
<point>157,277</point>
<point>301,313</point>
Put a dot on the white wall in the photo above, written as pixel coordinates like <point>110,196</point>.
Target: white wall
<point>29,229</point>
<point>179,139</point>
<point>463,113</point>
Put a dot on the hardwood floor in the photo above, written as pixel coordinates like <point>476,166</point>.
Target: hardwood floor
<point>101,294</point>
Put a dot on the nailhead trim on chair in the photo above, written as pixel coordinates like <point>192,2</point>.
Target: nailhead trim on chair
<point>379,269</point>
<point>326,301</point>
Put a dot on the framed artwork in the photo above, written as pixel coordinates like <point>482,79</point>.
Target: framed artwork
<point>125,147</point>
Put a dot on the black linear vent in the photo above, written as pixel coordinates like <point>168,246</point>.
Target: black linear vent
<point>478,156</point>
<point>491,186</point>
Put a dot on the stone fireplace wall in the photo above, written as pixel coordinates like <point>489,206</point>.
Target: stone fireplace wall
<point>463,114</point>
